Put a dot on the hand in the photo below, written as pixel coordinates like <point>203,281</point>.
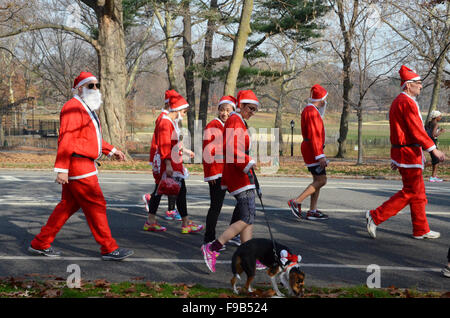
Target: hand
<point>439,154</point>
<point>323,163</point>
<point>212,182</point>
<point>120,155</point>
<point>62,178</point>
<point>394,166</point>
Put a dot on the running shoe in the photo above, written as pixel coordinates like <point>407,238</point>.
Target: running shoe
<point>371,226</point>
<point>209,256</point>
<point>50,252</point>
<point>173,215</point>
<point>435,179</point>
<point>146,198</point>
<point>260,266</point>
<point>235,240</point>
<point>316,215</point>
<point>155,227</point>
<point>296,208</point>
<point>446,271</point>
<point>430,235</point>
<point>191,228</point>
<point>118,254</point>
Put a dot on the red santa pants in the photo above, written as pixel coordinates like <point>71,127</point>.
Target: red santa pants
<point>87,195</point>
<point>413,193</point>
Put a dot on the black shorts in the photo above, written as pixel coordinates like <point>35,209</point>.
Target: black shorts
<point>245,209</point>
<point>314,171</point>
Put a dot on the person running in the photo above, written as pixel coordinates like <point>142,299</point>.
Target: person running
<point>80,144</point>
<point>446,270</point>
<point>236,176</point>
<point>213,163</point>
<point>172,212</point>
<point>168,163</point>
<point>408,138</point>
<point>434,131</point>
<point>313,143</point>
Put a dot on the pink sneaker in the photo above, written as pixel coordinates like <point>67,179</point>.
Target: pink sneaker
<point>209,256</point>
<point>260,266</point>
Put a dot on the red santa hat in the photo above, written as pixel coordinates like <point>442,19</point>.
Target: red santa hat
<point>176,101</point>
<point>318,93</point>
<point>246,97</point>
<point>82,79</point>
<point>407,75</point>
<point>228,100</point>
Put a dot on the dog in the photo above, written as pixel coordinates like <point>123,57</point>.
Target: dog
<point>284,264</point>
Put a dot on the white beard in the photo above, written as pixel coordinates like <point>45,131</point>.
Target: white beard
<point>322,109</point>
<point>92,97</point>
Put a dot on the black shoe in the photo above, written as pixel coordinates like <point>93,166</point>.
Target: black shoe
<point>50,252</point>
<point>118,255</point>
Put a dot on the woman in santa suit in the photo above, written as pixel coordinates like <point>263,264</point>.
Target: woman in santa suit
<point>80,144</point>
<point>168,162</point>
<point>408,138</point>
<point>213,163</point>
<point>313,133</point>
<point>237,176</point>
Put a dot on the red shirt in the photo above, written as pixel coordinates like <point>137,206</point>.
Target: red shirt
<point>313,132</point>
<point>212,158</point>
<point>153,146</point>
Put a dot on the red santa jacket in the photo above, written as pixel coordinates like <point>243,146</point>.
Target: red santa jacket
<point>153,145</point>
<point>80,141</point>
<point>236,149</point>
<point>167,141</point>
<point>313,132</point>
<point>213,150</point>
<point>408,135</point>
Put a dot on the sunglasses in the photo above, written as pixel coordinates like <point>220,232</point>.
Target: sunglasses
<point>91,85</point>
<point>252,109</point>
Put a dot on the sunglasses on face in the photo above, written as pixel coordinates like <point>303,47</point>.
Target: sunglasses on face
<point>253,109</point>
<point>91,85</point>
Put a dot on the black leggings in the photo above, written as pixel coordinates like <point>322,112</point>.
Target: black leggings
<point>216,195</point>
<point>180,201</point>
<point>448,255</point>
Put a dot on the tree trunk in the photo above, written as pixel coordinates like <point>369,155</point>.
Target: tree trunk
<point>279,122</point>
<point>207,65</point>
<point>188,55</point>
<point>360,143</point>
<point>112,73</point>
<point>238,48</point>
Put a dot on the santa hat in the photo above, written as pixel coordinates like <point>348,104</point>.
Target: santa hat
<point>318,93</point>
<point>228,100</point>
<point>176,101</point>
<point>407,75</point>
<point>246,97</point>
<point>82,79</point>
<point>285,256</point>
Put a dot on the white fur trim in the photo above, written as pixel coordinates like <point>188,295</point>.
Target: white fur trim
<point>93,173</point>
<point>236,192</point>
<point>179,108</point>
<point>407,165</point>
<point>411,80</point>
<point>431,148</point>
<point>248,101</point>
<point>248,166</point>
<point>319,99</point>
<point>228,102</point>
<point>320,156</point>
<point>113,151</point>
<point>61,170</point>
<point>217,176</point>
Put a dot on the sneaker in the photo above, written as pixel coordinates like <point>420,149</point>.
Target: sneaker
<point>432,179</point>
<point>446,271</point>
<point>146,198</point>
<point>436,179</point>
<point>296,208</point>
<point>191,228</point>
<point>155,227</point>
<point>173,215</point>
<point>430,235</point>
<point>371,227</point>
<point>209,256</point>
<point>235,240</point>
<point>50,252</point>
<point>260,266</point>
<point>316,215</point>
<point>118,254</point>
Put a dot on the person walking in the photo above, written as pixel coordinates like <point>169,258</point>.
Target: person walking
<point>213,163</point>
<point>168,163</point>
<point>236,176</point>
<point>446,270</point>
<point>434,131</point>
<point>408,138</point>
<point>312,147</point>
<point>171,213</point>
<point>80,144</point>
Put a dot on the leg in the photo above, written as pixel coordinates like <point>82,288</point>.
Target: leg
<point>418,202</point>
<point>62,212</point>
<point>318,182</point>
<point>153,205</point>
<point>217,196</point>
<point>92,201</point>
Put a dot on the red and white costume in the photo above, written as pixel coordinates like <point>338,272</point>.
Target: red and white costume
<point>236,149</point>
<point>408,138</point>
<point>79,144</point>
<point>167,136</point>
<point>153,146</point>
<point>212,158</point>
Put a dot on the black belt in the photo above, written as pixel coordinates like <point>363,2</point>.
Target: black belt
<point>402,146</point>
<point>81,156</point>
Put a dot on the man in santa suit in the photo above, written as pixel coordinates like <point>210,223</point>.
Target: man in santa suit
<point>213,163</point>
<point>237,176</point>
<point>80,144</point>
<point>168,162</point>
<point>408,139</point>
<point>313,143</point>
<point>172,212</point>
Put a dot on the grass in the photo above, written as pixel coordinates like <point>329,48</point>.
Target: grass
<point>57,288</point>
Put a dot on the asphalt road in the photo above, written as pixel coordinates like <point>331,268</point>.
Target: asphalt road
<point>335,252</point>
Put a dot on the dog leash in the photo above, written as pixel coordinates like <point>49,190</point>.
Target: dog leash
<point>252,177</point>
